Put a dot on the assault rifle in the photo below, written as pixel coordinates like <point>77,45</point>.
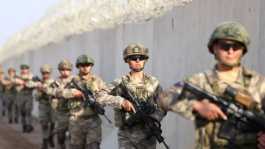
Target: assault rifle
<point>89,99</point>
<point>238,105</point>
<point>142,115</point>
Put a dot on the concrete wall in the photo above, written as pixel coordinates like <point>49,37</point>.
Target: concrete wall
<point>177,42</point>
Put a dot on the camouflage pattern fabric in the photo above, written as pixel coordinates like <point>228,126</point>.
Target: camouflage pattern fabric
<point>85,125</point>
<point>147,90</point>
<point>10,95</point>
<point>25,102</point>
<point>207,134</point>
<point>46,117</point>
<point>59,107</point>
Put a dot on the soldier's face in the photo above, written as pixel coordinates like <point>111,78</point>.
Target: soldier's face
<point>64,73</point>
<point>85,69</point>
<point>11,73</point>
<point>24,71</point>
<point>45,75</point>
<point>228,52</point>
<point>136,63</point>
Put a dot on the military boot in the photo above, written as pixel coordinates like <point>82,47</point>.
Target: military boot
<point>30,128</point>
<point>16,120</point>
<point>44,144</point>
<point>3,113</point>
<point>10,121</point>
<point>51,142</point>
<point>24,128</point>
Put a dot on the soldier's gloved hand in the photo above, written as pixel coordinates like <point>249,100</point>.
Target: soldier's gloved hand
<point>208,110</point>
<point>77,93</point>
<point>261,140</point>
<point>128,106</point>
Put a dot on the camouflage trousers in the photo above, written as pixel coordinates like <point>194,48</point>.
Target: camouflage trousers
<point>206,140</point>
<point>61,127</point>
<point>134,138</point>
<point>46,118</point>
<point>25,107</point>
<point>3,104</point>
<point>12,108</point>
<point>85,132</point>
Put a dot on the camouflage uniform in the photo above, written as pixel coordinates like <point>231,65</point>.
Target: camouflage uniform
<point>207,134</point>
<point>45,111</point>
<point>61,110</point>
<point>2,91</point>
<point>135,137</point>
<point>10,95</point>
<point>26,100</point>
<point>9,91</point>
<point>60,104</point>
<point>207,131</point>
<point>85,123</point>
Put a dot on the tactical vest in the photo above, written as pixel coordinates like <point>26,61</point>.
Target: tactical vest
<point>145,92</point>
<point>211,129</point>
<point>44,98</point>
<point>61,104</point>
<point>76,105</point>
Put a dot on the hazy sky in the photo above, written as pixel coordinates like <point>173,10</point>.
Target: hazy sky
<point>18,14</point>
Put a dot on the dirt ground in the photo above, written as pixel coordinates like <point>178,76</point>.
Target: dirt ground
<point>11,136</point>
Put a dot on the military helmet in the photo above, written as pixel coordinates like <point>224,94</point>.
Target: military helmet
<point>231,31</point>
<point>46,68</point>
<point>24,66</point>
<point>84,59</point>
<point>65,64</point>
<point>135,49</point>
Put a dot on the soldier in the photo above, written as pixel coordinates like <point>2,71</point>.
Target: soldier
<point>45,110</point>
<point>58,103</point>
<point>2,91</point>
<point>84,123</point>
<point>146,89</point>
<point>25,88</point>
<point>228,43</point>
<point>10,95</point>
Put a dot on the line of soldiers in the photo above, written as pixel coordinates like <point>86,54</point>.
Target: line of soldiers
<point>65,106</point>
<point>17,97</point>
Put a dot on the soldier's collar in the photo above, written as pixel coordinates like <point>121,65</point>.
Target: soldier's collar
<point>244,72</point>
<point>86,77</point>
<point>128,77</point>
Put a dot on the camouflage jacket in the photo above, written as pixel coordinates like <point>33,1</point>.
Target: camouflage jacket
<point>41,96</point>
<point>146,91</point>
<point>55,90</point>
<point>28,87</point>
<point>207,134</point>
<point>100,92</point>
<point>9,86</point>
